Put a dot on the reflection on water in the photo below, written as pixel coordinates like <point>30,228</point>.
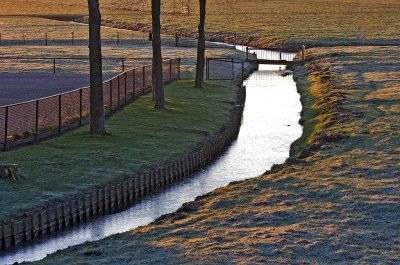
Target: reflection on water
<point>270,125</point>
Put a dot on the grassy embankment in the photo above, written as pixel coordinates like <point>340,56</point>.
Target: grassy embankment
<point>313,22</point>
<point>335,201</point>
<point>141,138</point>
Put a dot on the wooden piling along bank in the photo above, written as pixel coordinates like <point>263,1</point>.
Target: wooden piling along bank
<point>119,196</point>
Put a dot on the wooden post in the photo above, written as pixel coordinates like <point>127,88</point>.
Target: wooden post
<point>303,52</point>
<point>54,66</point>
<point>9,171</point>
<point>177,39</point>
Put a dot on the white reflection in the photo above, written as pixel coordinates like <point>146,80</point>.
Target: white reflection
<point>270,125</point>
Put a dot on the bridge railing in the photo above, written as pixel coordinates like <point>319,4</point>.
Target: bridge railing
<point>35,120</point>
<point>253,54</point>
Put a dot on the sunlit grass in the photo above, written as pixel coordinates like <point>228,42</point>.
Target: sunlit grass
<point>140,139</point>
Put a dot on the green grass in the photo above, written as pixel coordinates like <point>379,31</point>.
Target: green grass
<point>140,139</point>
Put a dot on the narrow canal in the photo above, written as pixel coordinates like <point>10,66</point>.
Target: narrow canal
<point>270,125</point>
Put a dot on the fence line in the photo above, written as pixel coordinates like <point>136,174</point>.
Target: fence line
<point>123,194</point>
<point>35,120</point>
<point>74,38</point>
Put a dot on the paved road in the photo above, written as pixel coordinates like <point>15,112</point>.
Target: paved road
<point>19,87</point>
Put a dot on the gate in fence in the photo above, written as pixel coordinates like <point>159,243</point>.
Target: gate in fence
<point>35,120</point>
<point>223,68</point>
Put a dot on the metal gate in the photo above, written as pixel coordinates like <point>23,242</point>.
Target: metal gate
<point>222,68</point>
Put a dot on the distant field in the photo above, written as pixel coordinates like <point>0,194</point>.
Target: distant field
<point>35,60</point>
<point>313,22</point>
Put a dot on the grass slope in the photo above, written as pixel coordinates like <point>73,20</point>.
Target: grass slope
<point>141,138</point>
<point>337,201</point>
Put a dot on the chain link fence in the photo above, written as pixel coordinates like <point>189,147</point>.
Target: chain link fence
<point>32,121</point>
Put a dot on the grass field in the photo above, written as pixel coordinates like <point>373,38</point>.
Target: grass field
<point>311,22</point>
<point>335,201</point>
<point>133,47</point>
<point>140,139</point>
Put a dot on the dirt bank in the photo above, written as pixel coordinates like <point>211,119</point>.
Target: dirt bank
<point>336,200</point>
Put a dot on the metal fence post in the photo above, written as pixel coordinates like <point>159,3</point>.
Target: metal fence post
<point>233,69</point>
<point>80,107</point>
<point>126,94</point>
<point>111,96</point>
<point>119,93</point>
<point>59,113</point>
<point>207,68</point>
<point>144,78</point>
<point>54,66</point>
<point>242,71</point>
<point>170,69</point>
<point>179,68</point>
<point>37,120</point>
<point>133,82</point>
<point>5,129</point>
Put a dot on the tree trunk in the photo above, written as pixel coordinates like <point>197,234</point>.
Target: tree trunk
<point>201,47</point>
<point>9,172</point>
<point>158,82</point>
<point>97,119</point>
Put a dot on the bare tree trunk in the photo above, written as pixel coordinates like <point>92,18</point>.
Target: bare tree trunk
<point>158,82</point>
<point>97,119</point>
<point>201,47</point>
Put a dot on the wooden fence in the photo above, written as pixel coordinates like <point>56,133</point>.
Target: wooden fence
<point>121,195</point>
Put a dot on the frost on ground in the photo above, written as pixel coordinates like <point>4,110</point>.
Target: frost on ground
<point>337,200</point>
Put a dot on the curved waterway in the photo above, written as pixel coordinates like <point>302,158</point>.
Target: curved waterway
<point>270,125</point>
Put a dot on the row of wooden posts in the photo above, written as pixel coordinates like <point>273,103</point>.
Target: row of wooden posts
<point>119,196</point>
<point>46,40</point>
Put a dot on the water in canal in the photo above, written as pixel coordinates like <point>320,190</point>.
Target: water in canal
<point>270,125</point>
